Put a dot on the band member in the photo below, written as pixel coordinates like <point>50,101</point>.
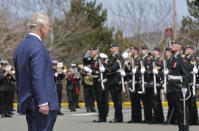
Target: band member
<point>192,68</point>
<point>114,74</point>
<point>58,76</point>
<point>89,93</point>
<point>178,81</point>
<point>4,90</point>
<point>73,77</point>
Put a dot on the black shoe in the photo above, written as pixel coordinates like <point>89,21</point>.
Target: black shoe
<point>93,110</point>
<point>72,110</point>
<point>60,113</point>
<point>10,113</point>
<point>13,110</point>
<point>7,115</point>
<point>116,121</point>
<point>133,121</point>
<point>78,107</point>
<point>146,121</point>
<point>100,120</point>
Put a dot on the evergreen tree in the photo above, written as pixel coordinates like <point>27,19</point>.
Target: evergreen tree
<point>190,24</point>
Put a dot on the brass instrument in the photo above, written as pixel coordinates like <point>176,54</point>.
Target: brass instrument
<point>88,80</point>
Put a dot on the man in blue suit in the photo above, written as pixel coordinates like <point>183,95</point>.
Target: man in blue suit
<point>35,79</point>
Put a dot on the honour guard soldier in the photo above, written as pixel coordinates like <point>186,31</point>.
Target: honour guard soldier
<point>192,68</point>
<point>147,70</point>
<point>158,116</point>
<point>171,114</point>
<point>98,84</point>
<point>114,75</point>
<point>58,76</point>
<point>178,83</point>
<point>134,86</point>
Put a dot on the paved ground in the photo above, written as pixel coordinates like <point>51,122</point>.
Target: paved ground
<point>82,121</point>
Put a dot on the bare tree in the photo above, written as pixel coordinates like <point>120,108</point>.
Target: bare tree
<point>144,19</point>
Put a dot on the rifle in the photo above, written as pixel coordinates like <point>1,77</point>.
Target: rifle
<point>165,76</point>
<point>194,81</point>
<point>154,79</point>
<point>142,66</point>
<point>101,74</point>
<point>133,75</point>
<point>122,78</point>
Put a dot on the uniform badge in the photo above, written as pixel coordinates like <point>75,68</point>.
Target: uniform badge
<point>184,60</point>
<point>118,60</point>
<point>192,62</point>
<point>174,66</point>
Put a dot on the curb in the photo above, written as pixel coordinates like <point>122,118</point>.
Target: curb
<point>125,104</point>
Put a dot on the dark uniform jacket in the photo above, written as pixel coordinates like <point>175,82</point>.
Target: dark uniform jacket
<point>177,68</point>
<point>112,67</point>
<point>148,64</point>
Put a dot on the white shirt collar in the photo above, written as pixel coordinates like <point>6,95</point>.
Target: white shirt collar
<point>35,35</point>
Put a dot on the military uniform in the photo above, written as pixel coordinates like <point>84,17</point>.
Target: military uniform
<point>4,95</point>
<point>135,97</point>
<point>72,90</point>
<point>158,116</point>
<point>171,114</point>
<point>177,78</point>
<point>89,92</point>
<point>147,97</point>
<point>100,94</point>
<point>193,112</point>
<point>114,84</point>
<point>58,77</point>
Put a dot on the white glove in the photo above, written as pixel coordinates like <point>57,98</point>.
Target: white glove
<point>166,72</point>
<point>134,70</point>
<point>102,55</point>
<point>142,70</point>
<point>87,69</point>
<point>155,71</point>
<point>102,69</point>
<point>195,70</point>
<point>56,74</point>
<point>122,73</point>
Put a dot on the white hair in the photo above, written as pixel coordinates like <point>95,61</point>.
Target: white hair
<point>36,20</point>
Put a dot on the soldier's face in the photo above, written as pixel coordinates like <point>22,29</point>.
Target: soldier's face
<point>94,53</point>
<point>144,52</point>
<point>155,53</point>
<point>54,67</point>
<point>174,47</point>
<point>114,49</point>
<point>168,53</point>
<point>188,51</point>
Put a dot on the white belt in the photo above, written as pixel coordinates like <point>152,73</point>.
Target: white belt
<point>171,77</point>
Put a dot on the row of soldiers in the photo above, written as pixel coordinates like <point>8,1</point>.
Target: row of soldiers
<point>7,89</point>
<point>146,74</point>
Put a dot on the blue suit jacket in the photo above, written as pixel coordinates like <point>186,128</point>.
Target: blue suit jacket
<point>34,74</point>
